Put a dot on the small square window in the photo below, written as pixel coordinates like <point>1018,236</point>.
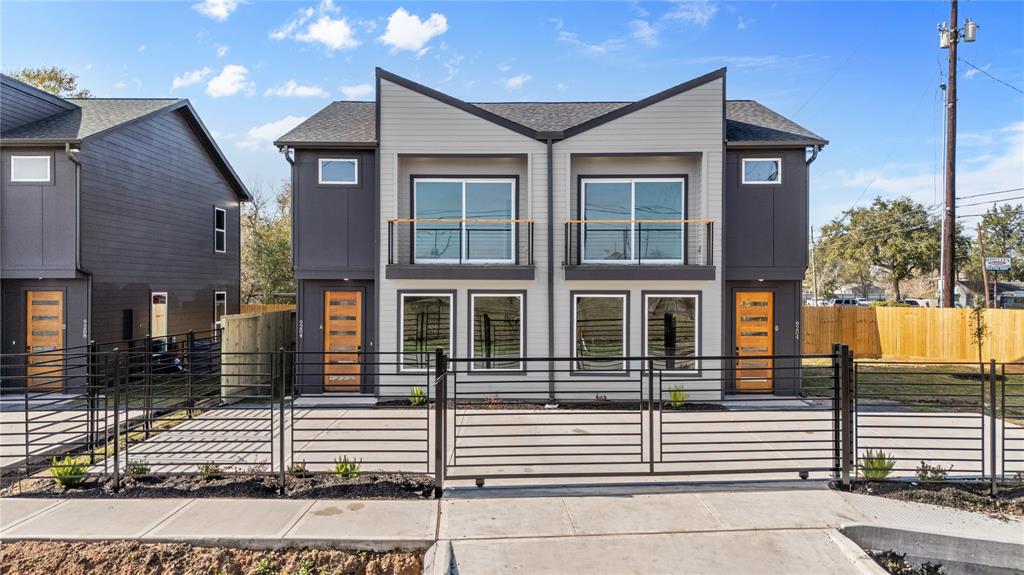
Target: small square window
<point>762,171</point>
<point>220,232</point>
<point>30,168</point>
<point>339,171</point>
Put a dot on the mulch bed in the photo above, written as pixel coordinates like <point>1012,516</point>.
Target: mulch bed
<point>969,496</point>
<point>605,405</point>
<point>365,486</point>
<point>133,558</point>
<point>897,564</point>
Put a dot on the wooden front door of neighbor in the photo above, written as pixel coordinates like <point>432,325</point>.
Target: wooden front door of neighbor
<point>343,339</point>
<point>158,314</point>
<point>44,334</point>
<point>755,336</point>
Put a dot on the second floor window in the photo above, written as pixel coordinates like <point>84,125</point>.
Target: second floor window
<point>631,219</point>
<point>339,171</point>
<point>30,168</point>
<point>220,230</point>
<point>464,220</point>
<point>762,171</point>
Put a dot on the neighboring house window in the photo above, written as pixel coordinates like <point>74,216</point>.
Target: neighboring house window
<point>477,224</point>
<point>339,171</point>
<point>220,230</point>
<point>619,207</point>
<point>671,330</point>
<point>30,168</point>
<point>599,327</point>
<point>220,306</point>
<point>426,325</point>
<point>497,331</point>
<point>762,170</point>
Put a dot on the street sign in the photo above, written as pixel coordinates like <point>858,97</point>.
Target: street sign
<point>997,264</point>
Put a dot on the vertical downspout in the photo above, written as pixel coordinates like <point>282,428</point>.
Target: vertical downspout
<point>71,154</point>
<point>551,274</point>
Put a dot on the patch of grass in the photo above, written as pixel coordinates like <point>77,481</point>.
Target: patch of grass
<point>346,469</point>
<point>417,396</point>
<point>876,465</point>
<point>68,471</point>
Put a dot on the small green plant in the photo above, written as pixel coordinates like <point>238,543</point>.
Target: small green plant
<point>266,566</point>
<point>298,470</point>
<point>210,471</point>
<point>417,396</point>
<point>676,398</point>
<point>346,469</point>
<point>306,566</point>
<point>135,469</point>
<point>933,473</point>
<point>68,471</point>
<point>876,465</point>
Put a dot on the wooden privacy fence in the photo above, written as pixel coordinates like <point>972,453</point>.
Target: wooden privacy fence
<point>937,334</point>
<point>265,307</point>
<point>247,346</point>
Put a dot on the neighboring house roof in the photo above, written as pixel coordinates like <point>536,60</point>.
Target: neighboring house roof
<point>353,124</point>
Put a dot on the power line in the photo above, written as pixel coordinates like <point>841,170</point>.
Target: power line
<point>990,201</point>
<point>1007,84</point>
<point>1007,213</point>
<point>989,193</point>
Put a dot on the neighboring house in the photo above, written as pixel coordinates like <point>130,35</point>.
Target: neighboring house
<point>119,218</point>
<point>674,225</point>
<point>1010,294</point>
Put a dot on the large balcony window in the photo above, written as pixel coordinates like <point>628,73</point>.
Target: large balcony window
<point>464,221</point>
<point>627,220</point>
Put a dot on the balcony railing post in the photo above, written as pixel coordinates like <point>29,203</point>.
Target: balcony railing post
<point>639,243</point>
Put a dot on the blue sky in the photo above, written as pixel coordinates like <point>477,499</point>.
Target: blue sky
<point>863,75</point>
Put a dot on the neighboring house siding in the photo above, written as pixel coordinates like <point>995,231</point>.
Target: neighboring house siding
<point>37,220</point>
<point>148,196</point>
<point>19,106</point>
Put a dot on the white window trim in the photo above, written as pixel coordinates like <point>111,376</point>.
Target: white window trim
<point>32,180</point>
<point>402,368</point>
<point>632,210</point>
<point>696,328</point>
<point>463,247</point>
<point>743,171</point>
<point>216,322</point>
<point>472,332</point>
<point>625,330</point>
<point>217,230</point>
<point>320,172</point>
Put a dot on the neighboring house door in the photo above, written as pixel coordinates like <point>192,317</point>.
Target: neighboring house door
<point>44,334</point>
<point>755,325</point>
<point>343,338</point>
<point>158,314</point>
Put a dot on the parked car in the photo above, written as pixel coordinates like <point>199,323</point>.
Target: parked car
<point>849,302</point>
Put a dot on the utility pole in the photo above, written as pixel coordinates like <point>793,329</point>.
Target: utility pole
<point>984,268</point>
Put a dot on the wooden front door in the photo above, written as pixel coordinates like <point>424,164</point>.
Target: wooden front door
<point>158,314</point>
<point>343,339</point>
<point>755,336</point>
<point>44,335</point>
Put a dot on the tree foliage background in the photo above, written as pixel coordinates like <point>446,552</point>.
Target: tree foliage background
<point>54,80</point>
<point>1002,229</point>
<point>267,275</point>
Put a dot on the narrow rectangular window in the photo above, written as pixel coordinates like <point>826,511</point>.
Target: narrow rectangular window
<point>426,324</point>
<point>220,231</point>
<point>633,219</point>
<point>220,306</point>
<point>762,170</point>
<point>671,331</point>
<point>338,171</point>
<point>599,328</point>
<point>497,331</point>
<point>30,168</point>
<point>464,220</point>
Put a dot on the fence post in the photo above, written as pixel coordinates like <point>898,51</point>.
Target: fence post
<point>190,341</point>
<point>91,392</point>
<point>846,415</point>
<point>281,442</point>
<point>837,409</point>
<point>147,359</point>
<point>992,429</point>
<point>440,405</point>
<point>117,422</point>
<point>650,411</point>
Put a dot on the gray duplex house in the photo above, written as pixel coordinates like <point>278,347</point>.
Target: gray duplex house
<point>119,218</point>
<point>674,226</point>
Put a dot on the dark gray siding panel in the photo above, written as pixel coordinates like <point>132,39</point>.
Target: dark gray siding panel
<point>335,225</point>
<point>148,194</point>
<point>766,225</point>
<point>19,106</point>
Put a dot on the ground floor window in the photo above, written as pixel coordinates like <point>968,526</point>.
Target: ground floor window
<point>426,324</point>
<point>497,331</point>
<point>599,328</point>
<point>220,307</point>
<point>670,330</point>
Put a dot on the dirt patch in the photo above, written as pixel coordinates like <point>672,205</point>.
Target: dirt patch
<point>967,496</point>
<point>133,558</point>
<point>365,486</point>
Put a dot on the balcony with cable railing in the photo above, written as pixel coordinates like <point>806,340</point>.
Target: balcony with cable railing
<point>450,248</point>
<point>648,249</point>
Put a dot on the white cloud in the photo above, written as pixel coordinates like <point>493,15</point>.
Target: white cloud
<point>743,23</point>
<point>233,78</point>
<point>595,49</point>
<point>263,136</point>
<point>562,86</point>
<point>318,26</point>
<point>699,12</point>
<point>189,78</point>
<point>222,50</point>
<point>292,89</point>
<point>142,48</point>
<point>217,9</point>
<point>972,72</point>
<point>452,65</point>
<point>406,31</point>
<point>516,82</point>
<point>645,33</point>
<point>356,91</point>
<point>504,68</point>
<point>120,85</point>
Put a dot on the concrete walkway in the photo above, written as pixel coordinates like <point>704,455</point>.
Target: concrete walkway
<point>637,529</point>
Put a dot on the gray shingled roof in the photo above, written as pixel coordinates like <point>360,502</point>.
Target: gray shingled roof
<point>93,115</point>
<point>355,122</point>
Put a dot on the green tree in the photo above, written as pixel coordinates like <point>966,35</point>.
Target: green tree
<point>1002,229</point>
<point>267,247</point>
<point>54,80</point>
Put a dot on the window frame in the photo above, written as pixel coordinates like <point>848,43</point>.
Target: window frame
<point>463,246</point>
<point>216,293</point>
<point>320,172</point>
<point>49,169</point>
<point>698,340</point>
<point>574,296</point>
<point>223,231</point>
<point>473,294</point>
<point>743,172</point>
<point>682,179</point>
<point>402,294</point>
